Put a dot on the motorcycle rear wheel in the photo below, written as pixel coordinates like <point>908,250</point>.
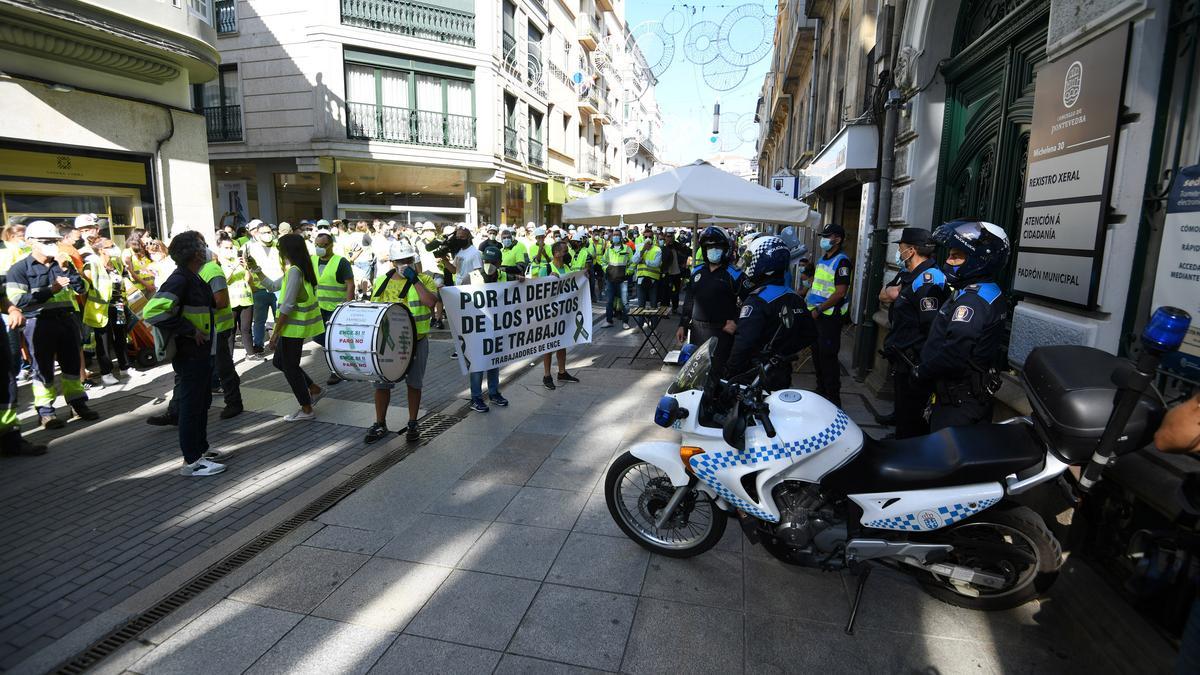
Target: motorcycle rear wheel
<point>636,491</point>
<point>1011,542</point>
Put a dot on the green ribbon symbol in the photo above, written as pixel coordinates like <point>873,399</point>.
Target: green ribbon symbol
<point>579,329</point>
<point>462,344</point>
<point>386,329</point>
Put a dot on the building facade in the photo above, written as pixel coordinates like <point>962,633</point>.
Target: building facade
<point>96,101</point>
<point>477,111</point>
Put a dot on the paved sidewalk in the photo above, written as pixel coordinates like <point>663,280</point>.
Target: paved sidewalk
<point>491,550</point>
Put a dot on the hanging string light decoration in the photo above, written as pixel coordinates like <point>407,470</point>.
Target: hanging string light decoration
<point>745,35</point>
<point>702,44</point>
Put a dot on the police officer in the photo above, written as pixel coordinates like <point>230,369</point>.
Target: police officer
<point>829,302</point>
<point>710,300</point>
<point>43,286</point>
<point>964,342</point>
<point>916,295</point>
<point>773,320</point>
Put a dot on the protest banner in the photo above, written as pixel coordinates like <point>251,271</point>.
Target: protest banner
<point>494,324</point>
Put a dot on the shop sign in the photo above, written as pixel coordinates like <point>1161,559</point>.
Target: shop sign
<point>855,147</point>
<point>1071,147</point>
<point>1177,282</point>
<point>31,164</point>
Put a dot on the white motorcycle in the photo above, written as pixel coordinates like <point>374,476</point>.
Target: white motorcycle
<point>806,483</point>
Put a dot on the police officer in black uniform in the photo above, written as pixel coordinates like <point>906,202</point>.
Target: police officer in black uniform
<point>773,321</point>
<point>916,295</point>
<point>964,344</point>
<point>710,301</point>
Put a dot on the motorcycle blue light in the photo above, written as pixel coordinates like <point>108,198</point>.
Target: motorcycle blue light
<point>1166,329</point>
<point>686,353</point>
<point>664,414</point>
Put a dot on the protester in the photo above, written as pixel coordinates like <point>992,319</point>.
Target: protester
<point>11,442</point>
<point>710,304</point>
<point>514,258</point>
<point>137,261</point>
<point>104,309</point>
<point>298,320</point>
<point>183,310</point>
<point>559,266</point>
<point>237,279</point>
<point>416,291</point>
<point>647,261</point>
<point>617,268</point>
<point>466,257</point>
<point>260,254</point>
<point>539,254</point>
<point>223,296</point>
<point>491,272</point>
<point>335,283</point>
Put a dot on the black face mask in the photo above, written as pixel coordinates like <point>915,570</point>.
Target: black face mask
<point>455,244</point>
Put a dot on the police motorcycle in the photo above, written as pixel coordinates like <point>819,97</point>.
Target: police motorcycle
<point>808,485</point>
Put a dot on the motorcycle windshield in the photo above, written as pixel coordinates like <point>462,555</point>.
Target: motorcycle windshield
<point>693,373</point>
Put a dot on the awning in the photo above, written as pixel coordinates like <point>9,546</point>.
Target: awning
<point>558,192</point>
<point>855,148</point>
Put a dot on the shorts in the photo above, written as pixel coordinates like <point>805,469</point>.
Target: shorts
<point>416,371</point>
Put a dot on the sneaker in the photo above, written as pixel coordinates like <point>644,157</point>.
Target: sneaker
<point>255,356</point>
<point>85,413</point>
<point>499,400</point>
<point>109,380</point>
<point>548,382</point>
<point>413,434</point>
<point>300,416</point>
<point>25,376</point>
<point>479,406</point>
<point>231,411</point>
<point>453,355</point>
<point>258,349</point>
<point>608,324</point>
<point>217,455</point>
<point>120,374</point>
<point>626,325</point>
<point>334,378</point>
<point>163,420</point>
<point>202,467</point>
<point>24,448</point>
<point>51,422</point>
<point>315,396</point>
<point>376,432</point>
<point>564,376</point>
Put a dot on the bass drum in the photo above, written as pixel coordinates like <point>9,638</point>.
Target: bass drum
<point>370,341</point>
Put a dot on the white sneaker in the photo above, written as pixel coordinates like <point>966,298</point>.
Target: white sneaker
<point>626,326</point>
<point>120,374</point>
<point>300,416</point>
<point>109,380</point>
<point>202,467</point>
<point>216,455</point>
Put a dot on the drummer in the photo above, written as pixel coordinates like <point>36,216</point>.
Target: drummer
<point>418,292</point>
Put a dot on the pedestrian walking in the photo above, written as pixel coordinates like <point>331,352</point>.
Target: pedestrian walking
<point>559,266</point>
<point>183,310</point>
<point>491,272</point>
<point>829,302</point>
<point>298,320</point>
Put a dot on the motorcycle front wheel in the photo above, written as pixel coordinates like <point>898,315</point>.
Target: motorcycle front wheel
<point>636,491</point>
<point>1012,543</point>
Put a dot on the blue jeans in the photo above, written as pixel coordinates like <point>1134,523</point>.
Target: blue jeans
<point>493,382</point>
<point>193,392</point>
<point>263,300</point>
<point>616,289</point>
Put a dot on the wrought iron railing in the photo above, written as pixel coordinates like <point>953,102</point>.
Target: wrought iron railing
<point>508,45</point>
<point>226,16</point>
<point>223,122</point>
<point>411,18</point>
<point>510,142</point>
<point>562,76</point>
<point>591,166</point>
<point>405,125</point>
<point>536,156</point>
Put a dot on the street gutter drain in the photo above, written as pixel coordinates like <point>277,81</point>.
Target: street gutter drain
<point>431,427</point>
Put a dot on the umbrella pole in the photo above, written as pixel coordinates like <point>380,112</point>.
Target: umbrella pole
<point>695,239</point>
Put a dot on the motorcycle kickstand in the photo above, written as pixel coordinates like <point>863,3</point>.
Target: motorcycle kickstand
<point>863,573</point>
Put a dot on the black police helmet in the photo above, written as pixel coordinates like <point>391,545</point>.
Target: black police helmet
<point>985,244</point>
<point>766,257</point>
<point>715,237</point>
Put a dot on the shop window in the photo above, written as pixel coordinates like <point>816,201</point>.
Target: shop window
<point>220,102</point>
<point>298,196</point>
<point>413,105</point>
<point>399,185</point>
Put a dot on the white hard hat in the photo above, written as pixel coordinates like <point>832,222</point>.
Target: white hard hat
<point>578,236</point>
<point>85,220</point>
<point>401,250</point>
<point>448,230</point>
<point>253,224</point>
<point>492,228</point>
<point>531,224</point>
<point>539,231</point>
<point>41,229</point>
<point>428,227</point>
<point>570,228</point>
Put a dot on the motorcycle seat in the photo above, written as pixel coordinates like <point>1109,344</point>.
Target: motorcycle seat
<point>952,456</point>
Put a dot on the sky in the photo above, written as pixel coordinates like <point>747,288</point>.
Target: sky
<point>684,97</point>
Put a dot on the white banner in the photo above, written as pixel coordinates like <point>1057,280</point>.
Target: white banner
<point>495,324</point>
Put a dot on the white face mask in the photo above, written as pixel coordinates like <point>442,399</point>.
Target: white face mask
<point>489,269</point>
<point>508,242</point>
<point>113,252</point>
<point>320,251</point>
<point>48,250</point>
<point>713,255</point>
<point>826,243</point>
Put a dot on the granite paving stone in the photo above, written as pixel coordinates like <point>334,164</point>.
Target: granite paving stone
<point>515,550</point>
<point>383,594</point>
<point>412,655</point>
<point>565,474</point>
<point>226,639</point>
<point>710,578</point>
<point>435,540</point>
<point>600,563</point>
<point>473,499</point>
<point>301,579</point>
<point>544,507</point>
<point>319,646</point>
<point>595,518</point>
<point>672,637</point>
<point>480,610</point>
<point>513,466</point>
<point>576,625</point>
<point>774,587</point>
<point>349,539</point>
<point>513,664</point>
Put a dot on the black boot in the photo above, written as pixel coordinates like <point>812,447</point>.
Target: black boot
<point>83,412</point>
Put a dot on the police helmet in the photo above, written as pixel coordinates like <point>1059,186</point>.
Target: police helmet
<point>985,244</point>
<point>767,256</point>
<point>715,237</point>
<point>796,248</point>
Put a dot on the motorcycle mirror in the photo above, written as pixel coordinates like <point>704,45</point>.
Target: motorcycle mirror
<point>734,430</point>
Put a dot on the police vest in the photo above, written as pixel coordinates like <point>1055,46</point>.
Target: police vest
<point>305,321</point>
<point>99,294</point>
<point>645,269</point>
<point>222,315</point>
<point>823,286</point>
<point>330,292</point>
<point>387,288</point>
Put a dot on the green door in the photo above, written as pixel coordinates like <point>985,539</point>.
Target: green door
<point>989,107</point>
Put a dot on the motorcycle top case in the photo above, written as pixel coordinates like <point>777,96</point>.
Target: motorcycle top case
<point>1071,391</point>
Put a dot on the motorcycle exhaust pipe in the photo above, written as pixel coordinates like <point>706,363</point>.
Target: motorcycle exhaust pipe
<point>669,510</point>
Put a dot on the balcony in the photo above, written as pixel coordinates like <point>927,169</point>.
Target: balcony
<point>225,12</point>
<point>414,19</point>
<point>224,123</point>
<point>604,5</point>
<point>589,102</point>
<point>510,142</point>
<point>588,31</point>
<point>537,155</point>
<point>535,71</point>
<point>589,167</point>
<point>413,127</point>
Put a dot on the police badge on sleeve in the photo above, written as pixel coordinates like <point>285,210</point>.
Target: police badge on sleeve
<point>931,304</point>
<point>963,314</point>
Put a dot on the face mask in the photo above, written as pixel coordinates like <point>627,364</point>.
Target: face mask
<point>113,252</point>
<point>508,242</point>
<point>713,255</point>
<point>826,243</point>
<point>320,251</point>
<point>227,253</point>
<point>616,239</point>
<point>266,238</point>
<point>49,250</point>
<point>489,269</point>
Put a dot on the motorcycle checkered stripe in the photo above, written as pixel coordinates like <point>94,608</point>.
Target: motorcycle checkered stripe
<point>707,465</point>
<point>912,522</point>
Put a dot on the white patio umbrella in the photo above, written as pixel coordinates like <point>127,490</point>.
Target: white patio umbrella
<point>690,194</point>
